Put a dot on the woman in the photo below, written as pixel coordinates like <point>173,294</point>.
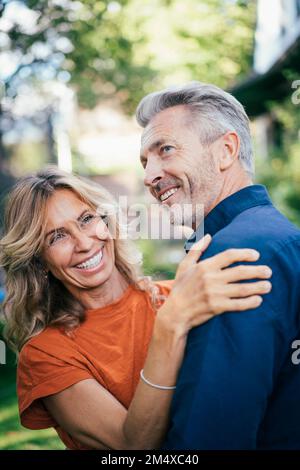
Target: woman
<point>100,346</point>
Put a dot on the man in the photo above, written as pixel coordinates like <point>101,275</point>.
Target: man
<point>238,387</point>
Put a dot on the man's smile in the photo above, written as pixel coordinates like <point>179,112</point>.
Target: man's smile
<point>167,193</point>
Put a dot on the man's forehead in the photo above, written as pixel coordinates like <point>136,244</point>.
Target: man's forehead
<point>163,125</point>
<point>153,131</point>
<point>155,138</point>
<point>160,129</point>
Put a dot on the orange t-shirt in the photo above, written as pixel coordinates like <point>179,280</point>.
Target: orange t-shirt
<point>110,346</point>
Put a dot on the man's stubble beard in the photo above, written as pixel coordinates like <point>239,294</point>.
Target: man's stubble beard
<point>203,192</point>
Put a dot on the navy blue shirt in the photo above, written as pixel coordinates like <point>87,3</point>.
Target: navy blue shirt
<point>238,387</point>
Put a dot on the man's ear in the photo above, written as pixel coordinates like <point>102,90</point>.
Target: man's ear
<point>230,149</point>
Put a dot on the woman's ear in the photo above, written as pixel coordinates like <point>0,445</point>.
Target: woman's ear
<point>230,149</point>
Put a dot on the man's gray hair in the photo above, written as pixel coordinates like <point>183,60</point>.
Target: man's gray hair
<point>217,112</point>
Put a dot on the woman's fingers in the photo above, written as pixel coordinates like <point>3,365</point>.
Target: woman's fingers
<point>233,255</point>
<point>223,305</point>
<point>239,305</point>
<point>210,287</point>
<point>244,272</point>
<point>198,249</point>
<point>247,289</point>
<point>194,254</point>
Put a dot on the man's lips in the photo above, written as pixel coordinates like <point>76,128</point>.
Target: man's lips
<point>162,194</point>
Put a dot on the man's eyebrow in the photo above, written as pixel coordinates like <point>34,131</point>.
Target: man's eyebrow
<point>61,228</point>
<point>153,146</point>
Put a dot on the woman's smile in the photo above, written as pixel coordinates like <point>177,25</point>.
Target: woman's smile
<point>81,254</point>
<point>92,264</point>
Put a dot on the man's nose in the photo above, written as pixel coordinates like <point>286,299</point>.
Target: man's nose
<point>153,172</point>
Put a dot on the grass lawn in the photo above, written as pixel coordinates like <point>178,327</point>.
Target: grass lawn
<point>12,435</point>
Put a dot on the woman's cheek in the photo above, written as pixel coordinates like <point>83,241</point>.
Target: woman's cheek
<point>61,262</point>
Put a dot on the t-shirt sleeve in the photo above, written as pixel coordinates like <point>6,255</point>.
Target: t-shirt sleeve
<point>41,373</point>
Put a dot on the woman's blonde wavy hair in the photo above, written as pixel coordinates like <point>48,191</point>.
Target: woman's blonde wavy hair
<point>32,301</point>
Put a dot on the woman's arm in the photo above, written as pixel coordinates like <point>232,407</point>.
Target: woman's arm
<point>95,418</point>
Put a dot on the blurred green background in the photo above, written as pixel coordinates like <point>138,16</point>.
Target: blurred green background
<point>72,73</point>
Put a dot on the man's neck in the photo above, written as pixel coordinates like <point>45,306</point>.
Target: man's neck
<point>233,182</point>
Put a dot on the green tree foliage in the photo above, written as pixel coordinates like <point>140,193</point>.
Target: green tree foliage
<point>191,40</point>
<point>129,47</point>
<point>281,171</point>
<point>123,48</point>
<point>71,40</point>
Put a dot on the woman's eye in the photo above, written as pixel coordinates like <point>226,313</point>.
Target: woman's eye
<point>88,218</point>
<point>104,219</point>
<point>56,237</point>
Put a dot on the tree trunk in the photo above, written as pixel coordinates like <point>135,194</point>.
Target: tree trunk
<point>3,153</point>
<point>50,138</point>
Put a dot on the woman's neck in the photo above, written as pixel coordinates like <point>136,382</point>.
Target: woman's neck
<point>105,294</point>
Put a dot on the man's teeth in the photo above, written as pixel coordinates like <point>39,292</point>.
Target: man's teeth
<point>167,194</point>
<point>92,262</point>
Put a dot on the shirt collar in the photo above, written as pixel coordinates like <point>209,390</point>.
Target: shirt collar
<point>228,209</point>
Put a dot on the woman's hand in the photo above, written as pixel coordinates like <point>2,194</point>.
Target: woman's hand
<point>201,290</point>
<point>210,287</point>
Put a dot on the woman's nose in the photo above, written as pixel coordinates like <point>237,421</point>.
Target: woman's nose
<point>102,231</point>
<point>82,240</point>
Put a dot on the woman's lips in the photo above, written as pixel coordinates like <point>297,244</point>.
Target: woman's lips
<point>96,264</point>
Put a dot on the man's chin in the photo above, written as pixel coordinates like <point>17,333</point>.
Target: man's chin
<point>178,217</point>
<point>182,213</point>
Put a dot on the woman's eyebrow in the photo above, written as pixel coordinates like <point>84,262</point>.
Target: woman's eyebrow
<point>61,228</point>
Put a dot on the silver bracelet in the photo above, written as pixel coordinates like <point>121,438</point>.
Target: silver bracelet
<point>161,387</point>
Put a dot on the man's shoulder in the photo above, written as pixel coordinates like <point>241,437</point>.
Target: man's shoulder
<point>260,227</point>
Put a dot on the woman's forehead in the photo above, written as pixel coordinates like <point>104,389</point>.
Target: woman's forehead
<point>64,205</point>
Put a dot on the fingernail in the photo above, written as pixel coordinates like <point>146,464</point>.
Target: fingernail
<point>268,287</point>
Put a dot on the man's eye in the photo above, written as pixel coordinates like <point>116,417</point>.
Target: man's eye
<point>167,148</point>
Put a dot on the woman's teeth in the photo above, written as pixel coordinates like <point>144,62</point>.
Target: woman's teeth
<point>167,194</point>
<point>92,262</point>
